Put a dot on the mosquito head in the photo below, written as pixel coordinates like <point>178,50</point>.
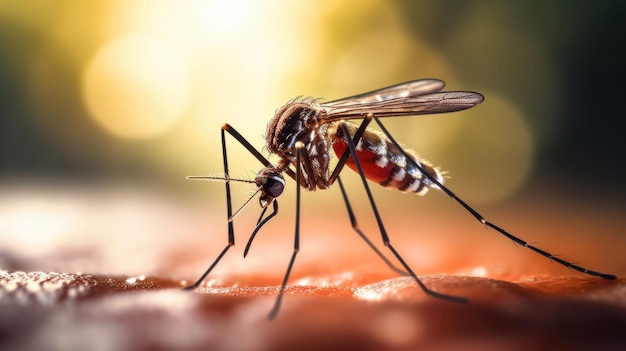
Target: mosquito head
<point>271,183</point>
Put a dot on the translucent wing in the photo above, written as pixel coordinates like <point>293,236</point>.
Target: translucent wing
<point>402,90</point>
<point>411,98</point>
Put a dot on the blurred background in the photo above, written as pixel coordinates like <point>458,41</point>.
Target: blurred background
<point>108,105</point>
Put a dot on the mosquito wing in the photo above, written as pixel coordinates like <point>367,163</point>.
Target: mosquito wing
<point>411,98</point>
<point>402,90</point>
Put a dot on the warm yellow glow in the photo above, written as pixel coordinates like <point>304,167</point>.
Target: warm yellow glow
<point>240,55</point>
<point>229,17</point>
<point>381,57</point>
<point>202,63</point>
<point>136,87</point>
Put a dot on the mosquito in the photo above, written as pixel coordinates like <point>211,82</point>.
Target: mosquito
<point>302,134</point>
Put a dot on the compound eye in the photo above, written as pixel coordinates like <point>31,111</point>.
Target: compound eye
<point>274,185</point>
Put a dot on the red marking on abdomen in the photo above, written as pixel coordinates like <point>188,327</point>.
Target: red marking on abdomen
<point>368,159</point>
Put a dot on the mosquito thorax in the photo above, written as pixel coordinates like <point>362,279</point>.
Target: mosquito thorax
<point>271,183</point>
<point>291,123</point>
<point>300,120</point>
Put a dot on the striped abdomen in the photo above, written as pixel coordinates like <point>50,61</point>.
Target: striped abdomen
<point>384,164</point>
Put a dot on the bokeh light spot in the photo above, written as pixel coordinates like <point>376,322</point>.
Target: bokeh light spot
<point>496,150</point>
<point>136,87</point>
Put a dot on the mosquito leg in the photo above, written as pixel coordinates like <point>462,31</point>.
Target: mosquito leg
<point>335,176</point>
<point>229,211</point>
<point>357,229</point>
<point>227,127</point>
<point>260,224</point>
<point>256,229</point>
<point>342,160</point>
<point>383,231</point>
<point>296,245</point>
<point>482,220</point>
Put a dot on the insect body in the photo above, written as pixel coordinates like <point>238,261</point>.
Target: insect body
<point>384,164</point>
<point>302,134</point>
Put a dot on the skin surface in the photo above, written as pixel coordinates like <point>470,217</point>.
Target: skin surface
<point>341,296</point>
